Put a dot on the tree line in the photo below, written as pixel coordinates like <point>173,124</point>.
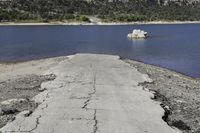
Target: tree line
<point>77,10</point>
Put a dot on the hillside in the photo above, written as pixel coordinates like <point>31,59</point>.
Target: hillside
<point>107,10</point>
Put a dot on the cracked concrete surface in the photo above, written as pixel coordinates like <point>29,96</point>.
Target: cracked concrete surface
<point>93,94</point>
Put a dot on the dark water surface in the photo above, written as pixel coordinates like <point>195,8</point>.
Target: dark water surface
<point>176,47</point>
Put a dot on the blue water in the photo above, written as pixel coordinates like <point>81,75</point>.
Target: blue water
<point>176,47</point>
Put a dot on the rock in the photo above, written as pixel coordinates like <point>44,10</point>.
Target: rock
<point>1,112</point>
<point>12,101</point>
<point>137,34</point>
<point>41,89</point>
<point>9,110</point>
<point>8,106</point>
<point>166,107</point>
<point>27,113</point>
<point>49,77</point>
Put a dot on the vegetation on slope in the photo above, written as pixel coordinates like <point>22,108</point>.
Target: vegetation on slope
<point>76,10</point>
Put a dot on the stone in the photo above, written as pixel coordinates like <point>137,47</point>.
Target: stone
<point>12,101</point>
<point>137,34</point>
<point>41,89</point>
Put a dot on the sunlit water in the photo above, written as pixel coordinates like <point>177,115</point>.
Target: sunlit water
<point>175,47</point>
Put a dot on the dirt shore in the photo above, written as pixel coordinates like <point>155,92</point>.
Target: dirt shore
<point>98,23</point>
<point>179,95</point>
<point>19,83</point>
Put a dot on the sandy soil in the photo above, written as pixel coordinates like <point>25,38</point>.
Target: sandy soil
<point>179,94</point>
<point>19,83</point>
<point>11,70</point>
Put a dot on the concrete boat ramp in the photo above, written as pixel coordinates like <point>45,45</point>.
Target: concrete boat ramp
<point>93,94</point>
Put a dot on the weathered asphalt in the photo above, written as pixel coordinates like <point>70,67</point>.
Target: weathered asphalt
<point>93,94</point>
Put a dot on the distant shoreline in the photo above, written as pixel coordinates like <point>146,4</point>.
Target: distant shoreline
<point>98,23</point>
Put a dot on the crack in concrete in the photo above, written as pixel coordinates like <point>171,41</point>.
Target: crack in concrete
<point>75,97</point>
<point>37,123</point>
<point>96,121</point>
<point>90,94</point>
<point>80,119</point>
<point>86,103</point>
<point>19,128</point>
<point>156,94</point>
<point>73,82</point>
<point>46,106</point>
<point>37,120</point>
<point>95,127</point>
<point>17,132</point>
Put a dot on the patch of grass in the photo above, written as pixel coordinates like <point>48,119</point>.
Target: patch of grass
<point>84,18</point>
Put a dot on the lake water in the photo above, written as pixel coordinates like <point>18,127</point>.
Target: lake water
<point>176,47</point>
